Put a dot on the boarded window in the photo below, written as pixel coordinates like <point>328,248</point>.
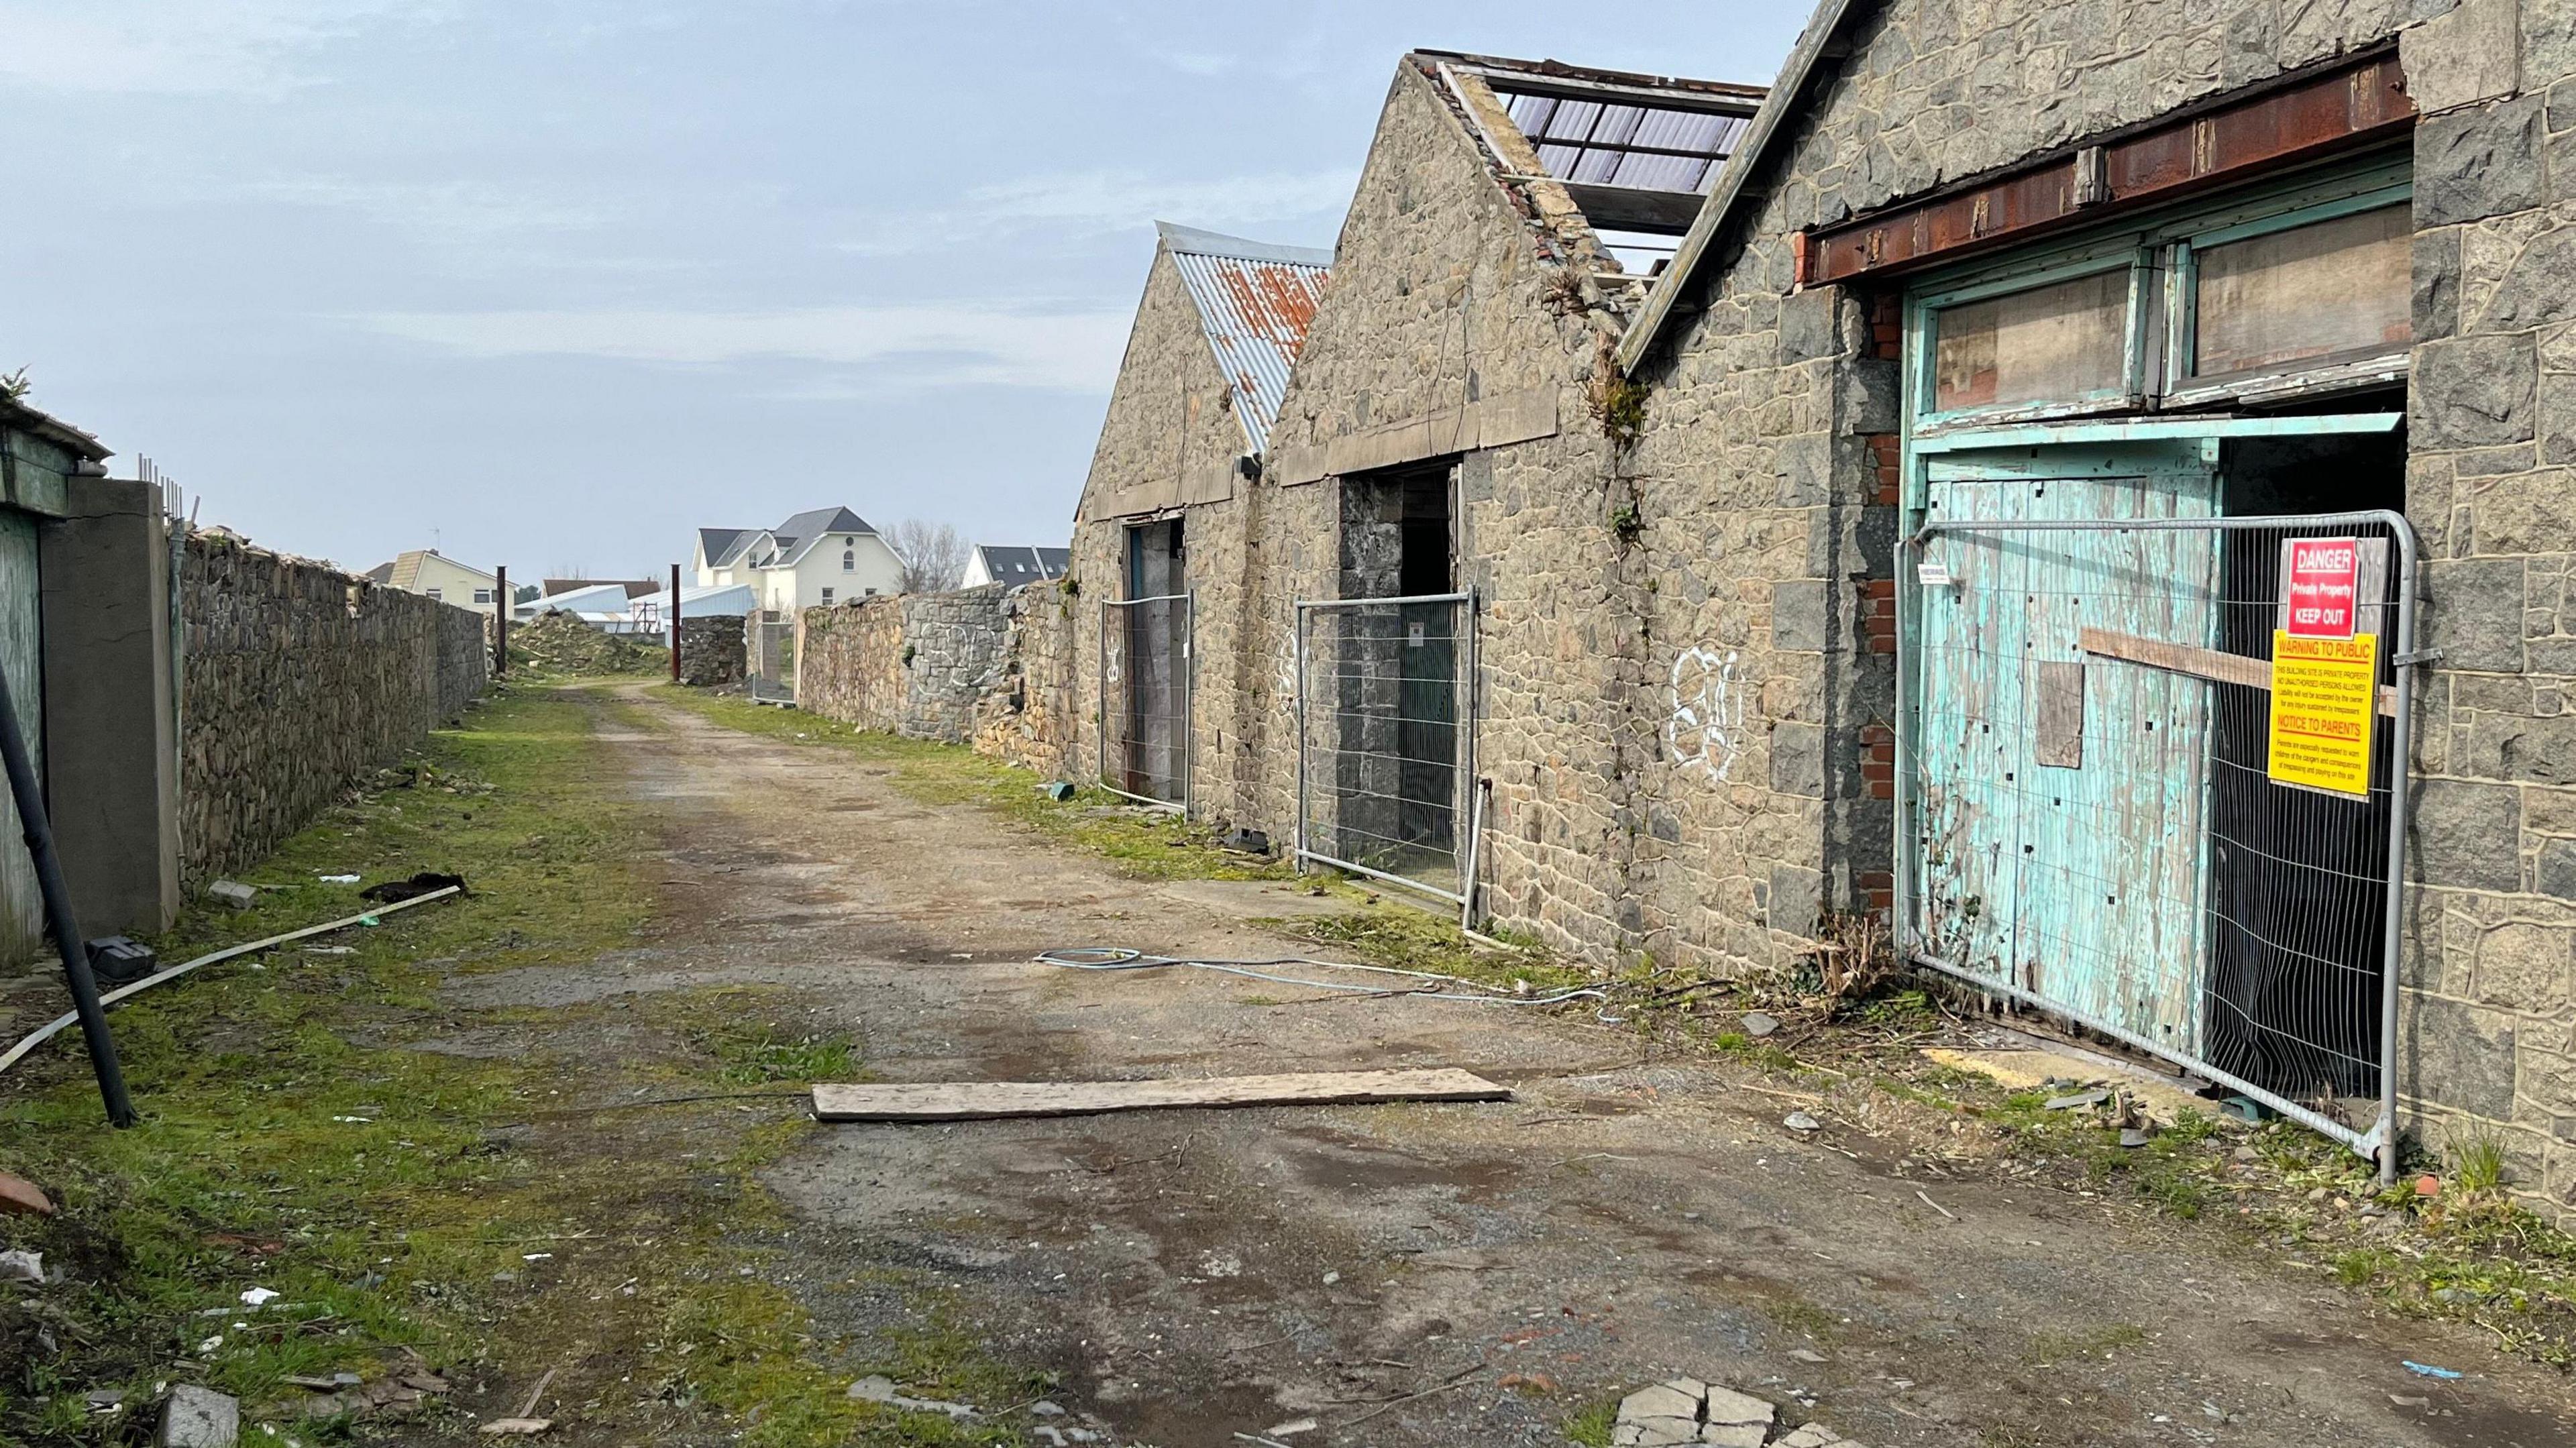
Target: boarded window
<point>2333,290</point>
<point>2057,343</point>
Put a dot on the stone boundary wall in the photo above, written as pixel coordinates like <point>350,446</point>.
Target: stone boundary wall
<point>297,678</point>
<point>989,666</point>
<point>713,649</point>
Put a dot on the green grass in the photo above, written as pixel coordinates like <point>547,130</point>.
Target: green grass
<point>1593,1426</point>
<point>296,1136</point>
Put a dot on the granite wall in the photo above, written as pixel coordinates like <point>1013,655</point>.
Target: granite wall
<point>298,679</point>
<point>985,666</point>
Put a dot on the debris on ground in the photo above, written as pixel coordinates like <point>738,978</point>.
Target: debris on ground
<point>991,1100</point>
<point>1248,842</point>
<point>1688,1411</point>
<point>17,1194</point>
<point>22,1266</point>
<point>427,882</point>
<point>2427,1370</point>
<point>1758,1024</point>
<point>2078,1100</point>
<point>1801,1122</point>
<point>560,643</point>
<point>523,1423</point>
<point>233,893</point>
<point>196,1417</point>
<point>878,1388</point>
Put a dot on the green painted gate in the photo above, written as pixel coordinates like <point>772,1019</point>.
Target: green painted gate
<point>22,906</point>
<point>2059,798</point>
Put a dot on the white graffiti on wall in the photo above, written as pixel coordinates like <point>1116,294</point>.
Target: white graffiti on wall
<point>1706,730</point>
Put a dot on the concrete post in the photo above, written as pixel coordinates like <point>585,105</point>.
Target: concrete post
<point>111,755</point>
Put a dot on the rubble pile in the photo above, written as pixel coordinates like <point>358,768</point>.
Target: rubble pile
<point>559,643</point>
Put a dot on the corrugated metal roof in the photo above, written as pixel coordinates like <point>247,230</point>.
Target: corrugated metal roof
<point>1255,301</point>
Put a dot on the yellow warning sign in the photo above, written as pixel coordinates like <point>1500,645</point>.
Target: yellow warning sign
<point>2325,707</point>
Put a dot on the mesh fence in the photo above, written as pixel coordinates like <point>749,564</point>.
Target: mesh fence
<point>1386,730</point>
<point>1145,698</point>
<point>2149,771</point>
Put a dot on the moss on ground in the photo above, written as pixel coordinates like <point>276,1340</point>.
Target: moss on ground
<point>427,1184</point>
<point>1149,843</point>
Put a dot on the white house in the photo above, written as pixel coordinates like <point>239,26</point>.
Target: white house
<point>825,555</point>
<point>428,571</point>
<point>998,563</point>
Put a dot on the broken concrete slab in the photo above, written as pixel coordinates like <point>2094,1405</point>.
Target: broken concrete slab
<point>1688,1411</point>
<point>233,893</point>
<point>195,1417</point>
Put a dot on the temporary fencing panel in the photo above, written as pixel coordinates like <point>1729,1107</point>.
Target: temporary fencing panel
<point>773,659</point>
<point>1145,698</point>
<point>1386,728</point>
<point>2150,769</point>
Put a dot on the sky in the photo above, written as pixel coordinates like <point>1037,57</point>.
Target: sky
<point>550,283</point>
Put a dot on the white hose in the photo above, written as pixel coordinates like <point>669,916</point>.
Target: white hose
<point>1097,957</point>
<point>47,1031</point>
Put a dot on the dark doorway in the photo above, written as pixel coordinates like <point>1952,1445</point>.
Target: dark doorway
<point>2297,878</point>
<point>1397,761</point>
<point>1153,758</point>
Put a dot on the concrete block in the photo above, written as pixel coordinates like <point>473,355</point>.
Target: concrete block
<point>196,1417</point>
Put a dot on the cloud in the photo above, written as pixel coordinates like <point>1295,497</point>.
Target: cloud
<point>465,210</point>
<point>1075,205</point>
<point>866,351</point>
<point>180,47</point>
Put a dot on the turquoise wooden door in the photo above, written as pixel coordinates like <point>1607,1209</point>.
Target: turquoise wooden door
<point>22,905</point>
<point>2060,796</point>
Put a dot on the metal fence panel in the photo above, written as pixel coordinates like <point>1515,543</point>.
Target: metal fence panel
<point>1386,729</point>
<point>2093,818</point>
<point>1145,649</point>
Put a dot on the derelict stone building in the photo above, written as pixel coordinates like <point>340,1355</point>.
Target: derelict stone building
<point>2090,487</point>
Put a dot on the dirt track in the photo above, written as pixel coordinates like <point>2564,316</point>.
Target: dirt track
<point>1197,1275</point>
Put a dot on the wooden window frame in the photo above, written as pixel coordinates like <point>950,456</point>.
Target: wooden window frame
<point>2159,330</point>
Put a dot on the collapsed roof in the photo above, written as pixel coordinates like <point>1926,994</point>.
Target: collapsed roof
<point>1634,153</point>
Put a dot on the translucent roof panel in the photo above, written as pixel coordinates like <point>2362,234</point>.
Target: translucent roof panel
<point>1614,143</point>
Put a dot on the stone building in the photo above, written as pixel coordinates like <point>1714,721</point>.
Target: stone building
<point>1160,536</point>
<point>1979,267</point>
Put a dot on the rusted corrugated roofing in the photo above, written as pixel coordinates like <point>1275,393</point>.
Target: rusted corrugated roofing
<point>1255,301</point>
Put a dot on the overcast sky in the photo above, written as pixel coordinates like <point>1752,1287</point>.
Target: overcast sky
<point>551,282</point>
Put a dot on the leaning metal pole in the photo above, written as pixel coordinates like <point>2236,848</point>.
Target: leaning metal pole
<point>58,912</point>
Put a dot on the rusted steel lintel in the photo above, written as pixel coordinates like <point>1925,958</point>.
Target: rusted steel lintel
<point>2337,110</point>
<point>2196,662</point>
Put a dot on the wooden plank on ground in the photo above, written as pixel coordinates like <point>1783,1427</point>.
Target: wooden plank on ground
<point>986,1100</point>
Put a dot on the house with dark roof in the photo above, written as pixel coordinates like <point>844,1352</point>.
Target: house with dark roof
<point>818,557</point>
<point>997,563</point>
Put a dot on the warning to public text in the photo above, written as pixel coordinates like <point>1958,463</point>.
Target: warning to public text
<point>2325,705</point>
